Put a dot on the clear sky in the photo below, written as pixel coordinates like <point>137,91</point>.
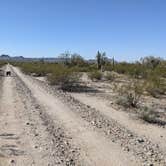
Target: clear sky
<point>125,29</point>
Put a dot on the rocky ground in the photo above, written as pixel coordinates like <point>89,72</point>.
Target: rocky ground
<point>43,126</point>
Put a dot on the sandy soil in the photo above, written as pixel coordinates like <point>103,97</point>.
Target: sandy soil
<point>45,127</point>
<point>153,132</point>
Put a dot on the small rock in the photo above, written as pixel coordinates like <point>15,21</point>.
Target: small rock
<point>12,161</point>
<point>93,122</point>
<point>130,135</point>
<point>140,140</point>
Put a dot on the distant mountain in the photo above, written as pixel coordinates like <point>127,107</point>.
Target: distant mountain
<point>21,58</point>
<point>4,57</point>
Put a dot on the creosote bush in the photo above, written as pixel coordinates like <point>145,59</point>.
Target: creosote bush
<point>148,115</point>
<point>2,63</point>
<point>95,75</point>
<point>155,85</point>
<point>65,78</point>
<point>130,94</point>
<point>109,76</point>
<point>36,68</point>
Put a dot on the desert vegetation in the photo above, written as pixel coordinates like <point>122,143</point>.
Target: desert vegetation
<point>2,63</point>
<point>146,77</point>
<point>150,70</point>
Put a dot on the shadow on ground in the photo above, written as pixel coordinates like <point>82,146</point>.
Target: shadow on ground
<point>81,89</point>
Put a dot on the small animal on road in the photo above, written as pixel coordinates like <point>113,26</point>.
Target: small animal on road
<point>8,73</point>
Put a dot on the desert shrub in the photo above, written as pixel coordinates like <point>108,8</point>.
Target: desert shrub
<point>155,85</point>
<point>148,115</point>
<point>2,63</point>
<point>109,76</point>
<point>109,66</point>
<point>95,75</point>
<point>85,68</point>
<point>130,94</point>
<point>64,77</point>
<point>36,68</point>
<point>135,70</point>
<point>123,101</point>
<point>151,61</point>
<point>77,60</point>
<point>160,70</point>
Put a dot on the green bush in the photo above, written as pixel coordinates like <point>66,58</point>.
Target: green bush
<point>36,68</point>
<point>95,75</point>
<point>85,68</point>
<point>135,70</point>
<point>2,63</point>
<point>64,77</point>
<point>155,85</point>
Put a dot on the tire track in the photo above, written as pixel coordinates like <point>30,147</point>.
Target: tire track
<point>140,146</point>
<point>57,143</point>
<point>95,148</point>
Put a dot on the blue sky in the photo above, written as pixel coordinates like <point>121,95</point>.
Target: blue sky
<point>125,29</point>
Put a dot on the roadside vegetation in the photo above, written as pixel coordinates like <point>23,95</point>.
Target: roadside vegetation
<point>2,63</point>
<point>130,94</point>
<point>149,70</point>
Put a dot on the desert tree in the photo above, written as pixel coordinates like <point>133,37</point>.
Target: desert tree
<point>151,61</point>
<point>77,60</point>
<point>65,58</point>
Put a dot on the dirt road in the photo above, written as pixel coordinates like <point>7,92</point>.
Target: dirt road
<point>44,127</point>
